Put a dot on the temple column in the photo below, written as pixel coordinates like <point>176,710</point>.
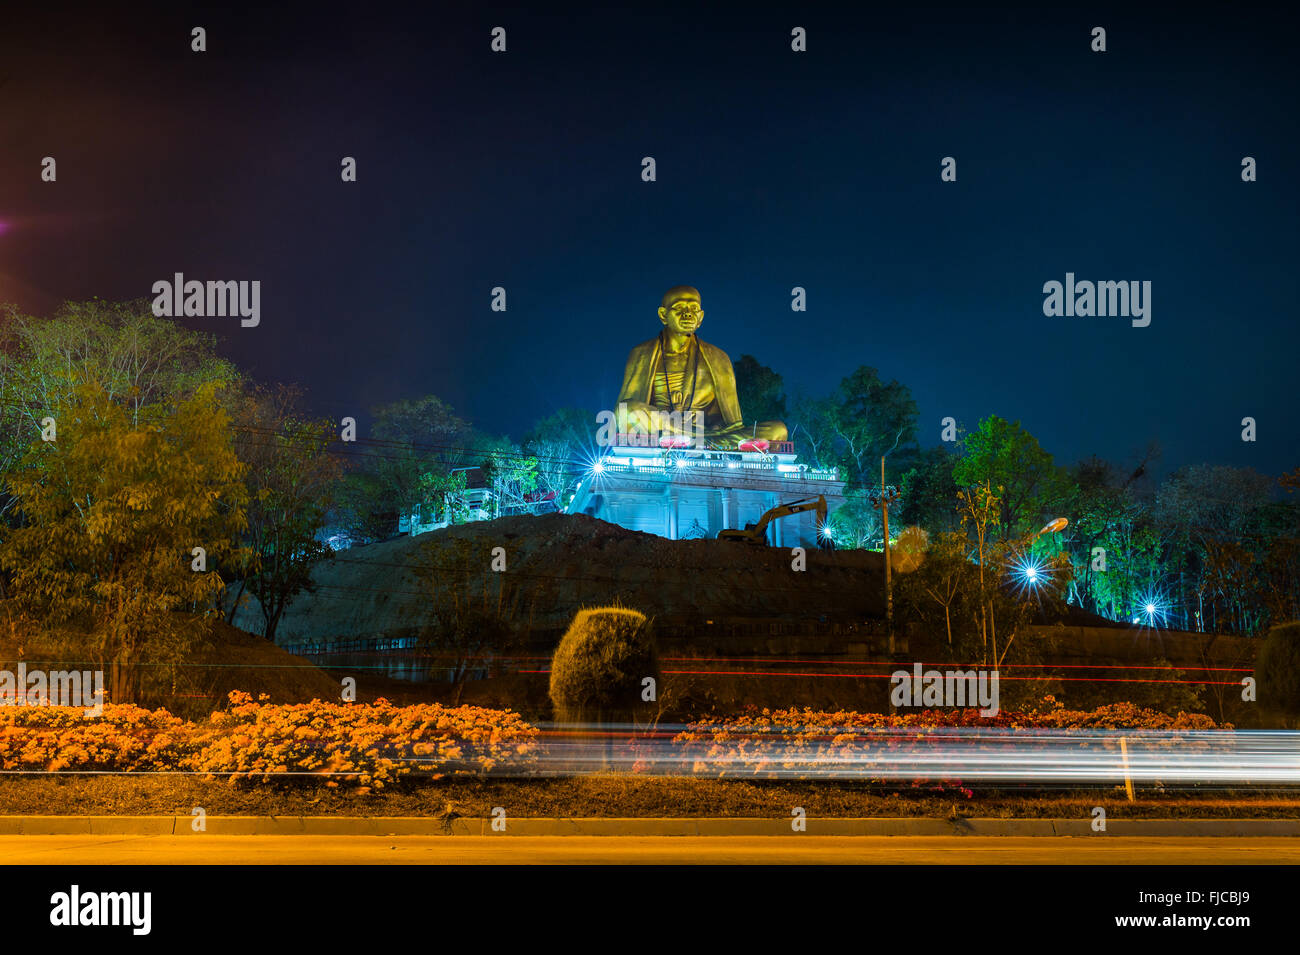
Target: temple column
<point>728,507</point>
<point>672,514</point>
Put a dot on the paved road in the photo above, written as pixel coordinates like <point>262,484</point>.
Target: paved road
<point>607,850</point>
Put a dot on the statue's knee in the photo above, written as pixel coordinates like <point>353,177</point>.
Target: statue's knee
<point>772,431</point>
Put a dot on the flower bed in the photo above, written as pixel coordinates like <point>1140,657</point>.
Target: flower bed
<point>807,743</point>
<point>368,745</point>
<point>54,738</point>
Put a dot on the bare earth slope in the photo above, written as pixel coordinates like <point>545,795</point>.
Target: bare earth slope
<point>561,562</point>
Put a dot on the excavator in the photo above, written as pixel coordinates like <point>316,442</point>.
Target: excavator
<point>757,533</point>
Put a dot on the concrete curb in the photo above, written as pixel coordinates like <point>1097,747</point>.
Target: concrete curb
<point>711,826</point>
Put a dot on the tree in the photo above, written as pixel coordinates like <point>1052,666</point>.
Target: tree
<point>856,524</point>
<point>408,466</point>
<point>292,481</point>
<point>811,426</point>
<point>928,490</point>
<point>943,575</point>
<point>472,610</point>
<point>1002,453</point>
<point>113,515</point>
<point>760,390</point>
<point>1115,551</point>
<point>1016,598</point>
<point>512,476</point>
<point>1281,570</point>
<point>861,420</point>
<point>868,418</point>
<point>1215,523</point>
<point>980,507</point>
<point>564,446</point>
<point>139,361</point>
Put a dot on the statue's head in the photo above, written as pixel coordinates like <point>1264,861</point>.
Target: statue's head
<point>680,310</point>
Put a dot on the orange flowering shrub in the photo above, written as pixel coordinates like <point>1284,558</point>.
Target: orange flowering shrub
<point>770,742</point>
<point>123,738</point>
<point>367,745</point>
<point>371,745</point>
<point>1115,716</point>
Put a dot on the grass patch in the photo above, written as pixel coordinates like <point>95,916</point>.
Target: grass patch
<point>604,796</point>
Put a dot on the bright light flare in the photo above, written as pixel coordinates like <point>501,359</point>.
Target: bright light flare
<point>1153,610</point>
<point>1028,573</point>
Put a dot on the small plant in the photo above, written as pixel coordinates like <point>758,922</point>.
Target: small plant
<point>599,670</point>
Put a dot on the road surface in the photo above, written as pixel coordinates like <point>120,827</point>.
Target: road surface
<point>202,849</point>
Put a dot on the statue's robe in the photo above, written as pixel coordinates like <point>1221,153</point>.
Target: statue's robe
<point>645,362</point>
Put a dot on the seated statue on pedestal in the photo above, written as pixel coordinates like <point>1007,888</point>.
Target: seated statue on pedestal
<point>675,381</point>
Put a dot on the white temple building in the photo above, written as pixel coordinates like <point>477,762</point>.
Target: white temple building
<point>683,493</point>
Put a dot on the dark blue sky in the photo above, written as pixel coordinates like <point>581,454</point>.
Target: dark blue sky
<point>774,170</point>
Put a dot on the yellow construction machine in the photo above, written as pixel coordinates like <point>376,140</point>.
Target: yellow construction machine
<point>757,533</point>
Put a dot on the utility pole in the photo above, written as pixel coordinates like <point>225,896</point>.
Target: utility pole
<point>887,497</point>
<point>889,588</point>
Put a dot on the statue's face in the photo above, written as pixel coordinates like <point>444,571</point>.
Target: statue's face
<point>684,316</point>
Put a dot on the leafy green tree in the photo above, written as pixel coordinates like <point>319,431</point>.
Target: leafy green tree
<point>811,427</point>
<point>1280,581</point>
<point>511,474</point>
<point>1115,550</point>
<point>292,482</point>
<point>861,420</point>
<point>113,511</point>
<point>1001,453</point>
<point>139,361</point>
<point>941,589</point>
<point>928,490</point>
<point>980,508</point>
<point>856,524</point>
<point>870,418</point>
<point>564,446</point>
<point>407,466</point>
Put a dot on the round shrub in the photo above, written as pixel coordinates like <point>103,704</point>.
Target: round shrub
<point>599,667</point>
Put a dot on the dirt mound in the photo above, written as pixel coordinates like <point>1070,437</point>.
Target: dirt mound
<point>556,564</point>
<point>232,659</point>
<point>561,562</point>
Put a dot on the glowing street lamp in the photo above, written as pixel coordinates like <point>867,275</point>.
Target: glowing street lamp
<point>1055,527</point>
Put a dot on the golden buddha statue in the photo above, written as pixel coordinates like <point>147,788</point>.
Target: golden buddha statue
<point>676,383</point>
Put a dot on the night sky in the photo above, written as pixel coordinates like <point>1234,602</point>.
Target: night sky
<point>775,169</point>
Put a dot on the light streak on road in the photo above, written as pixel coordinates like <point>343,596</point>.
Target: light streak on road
<point>972,755</point>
